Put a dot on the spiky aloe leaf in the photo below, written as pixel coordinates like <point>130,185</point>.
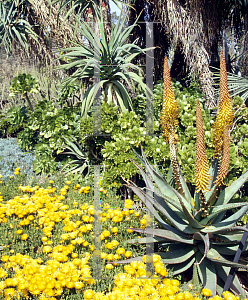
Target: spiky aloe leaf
<point>197,201</point>
<point>73,147</point>
<point>169,214</point>
<point>177,254</point>
<point>144,240</point>
<point>179,268</point>
<point>188,215</point>
<point>213,171</point>
<point>184,186</point>
<point>170,178</point>
<point>229,250</point>
<point>163,186</point>
<point>227,194</point>
<point>216,210</point>
<point>75,168</point>
<point>232,229</point>
<point>195,277</point>
<point>210,195</point>
<point>228,239</point>
<point>217,258</point>
<point>182,181</point>
<point>207,273</point>
<point>161,199</point>
<point>227,223</point>
<point>206,241</point>
<point>235,285</point>
<point>149,205</point>
<point>166,234</point>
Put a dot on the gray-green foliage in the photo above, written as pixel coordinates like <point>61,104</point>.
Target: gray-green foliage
<point>110,59</point>
<point>11,157</point>
<point>209,241</point>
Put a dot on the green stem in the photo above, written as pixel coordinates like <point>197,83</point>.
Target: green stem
<point>29,102</point>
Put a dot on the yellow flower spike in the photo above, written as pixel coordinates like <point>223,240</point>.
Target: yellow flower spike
<point>169,121</point>
<point>169,112</point>
<point>225,159</point>
<point>225,113</point>
<point>202,176</point>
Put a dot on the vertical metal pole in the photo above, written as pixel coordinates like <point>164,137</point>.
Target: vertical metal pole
<point>149,131</point>
<point>97,101</point>
<point>149,79</point>
<point>97,225</point>
<point>96,132</point>
<point>149,232</point>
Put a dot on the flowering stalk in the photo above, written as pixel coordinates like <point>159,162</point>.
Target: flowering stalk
<point>202,176</point>
<point>169,120</point>
<point>223,170</point>
<point>223,123</point>
<point>225,113</point>
<point>169,112</point>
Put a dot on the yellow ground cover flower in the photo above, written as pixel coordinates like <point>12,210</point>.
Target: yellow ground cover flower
<point>24,237</point>
<point>206,292</point>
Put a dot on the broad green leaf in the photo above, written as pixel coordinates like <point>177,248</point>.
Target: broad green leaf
<point>206,241</point>
<point>227,223</point>
<point>235,285</point>
<point>216,210</point>
<point>188,215</point>
<point>141,195</point>
<point>179,268</point>
<point>177,254</point>
<point>166,234</point>
<point>207,273</point>
<point>229,250</point>
<point>217,258</point>
<point>227,194</point>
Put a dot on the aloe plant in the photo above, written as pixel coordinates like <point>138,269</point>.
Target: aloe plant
<point>196,229</point>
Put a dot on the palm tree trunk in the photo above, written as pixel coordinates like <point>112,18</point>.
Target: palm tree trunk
<point>184,26</point>
<point>187,30</point>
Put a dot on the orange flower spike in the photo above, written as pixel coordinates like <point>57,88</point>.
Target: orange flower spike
<point>225,112</point>
<point>169,112</point>
<point>223,170</point>
<point>202,176</point>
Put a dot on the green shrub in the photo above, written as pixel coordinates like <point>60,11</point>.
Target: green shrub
<point>44,133</point>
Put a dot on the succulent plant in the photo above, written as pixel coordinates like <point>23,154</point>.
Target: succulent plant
<point>80,163</point>
<point>196,229</point>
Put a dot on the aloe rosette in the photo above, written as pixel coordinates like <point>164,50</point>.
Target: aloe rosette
<point>195,229</point>
<point>208,242</point>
